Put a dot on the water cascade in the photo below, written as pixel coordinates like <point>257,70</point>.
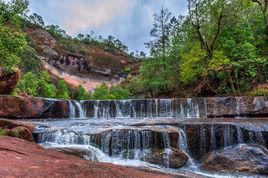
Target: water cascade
<point>161,108</point>
<point>137,129</point>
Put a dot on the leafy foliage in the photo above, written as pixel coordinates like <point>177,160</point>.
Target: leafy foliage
<point>12,41</point>
<point>219,42</point>
<point>104,93</point>
<point>82,94</point>
<point>63,92</point>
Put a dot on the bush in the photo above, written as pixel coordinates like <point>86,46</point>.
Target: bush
<point>28,84</point>
<point>258,92</point>
<point>82,94</point>
<point>119,93</point>
<point>30,61</point>
<point>2,132</point>
<point>63,92</point>
<point>101,92</point>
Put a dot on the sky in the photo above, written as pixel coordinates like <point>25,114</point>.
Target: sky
<point>128,20</point>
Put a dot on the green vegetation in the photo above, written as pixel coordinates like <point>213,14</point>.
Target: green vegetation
<point>2,132</point>
<point>82,94</point>
<point>219,47</point>
<point>12,41</point>
<point>63,92</point>
<point>104,93</point>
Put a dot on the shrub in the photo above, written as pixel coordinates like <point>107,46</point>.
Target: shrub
<point>101,92</point>
<point>63,92</point>
<point>82,94</point>
<point>28,84</point>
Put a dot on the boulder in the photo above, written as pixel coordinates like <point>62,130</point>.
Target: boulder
<point>8,81</point>
<point>22,133</point>
<point>170,158</point>
<point>76,151</point>
<point>17,129</point>
<point>242,158</point>
<point>20,158</point>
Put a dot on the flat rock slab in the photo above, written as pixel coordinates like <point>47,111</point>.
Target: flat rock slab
<point>20,158</point>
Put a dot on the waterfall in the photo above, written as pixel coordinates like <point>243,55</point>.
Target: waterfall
<point>168,151</point>
<point>161,108</point>
<point>80,109</point>
<point>227,136</point>
<point>183,145</point>
<point>251,137</point>
<point>75,106</point>
<point>202,140</point>
<point>240,137</point>
<point>212,139</point>
<point>71,110</point>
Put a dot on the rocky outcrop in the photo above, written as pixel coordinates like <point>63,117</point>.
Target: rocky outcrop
<point>77,151</point>
<point>237,106</point>
<point>100,64</point>
<point>242,158</point>
<point>30,107</point>
<point>8,81</point>
<point>19,158</point>
<point>17,129</point>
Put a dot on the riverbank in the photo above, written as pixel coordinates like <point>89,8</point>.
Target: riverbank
<point>20,158</point>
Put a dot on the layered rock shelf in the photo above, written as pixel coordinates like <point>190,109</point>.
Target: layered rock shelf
<point>30,107</point>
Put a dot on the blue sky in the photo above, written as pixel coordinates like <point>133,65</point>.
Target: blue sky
<point>128,20</point>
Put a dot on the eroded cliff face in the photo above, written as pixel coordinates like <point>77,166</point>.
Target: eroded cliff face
<point>95,66</point>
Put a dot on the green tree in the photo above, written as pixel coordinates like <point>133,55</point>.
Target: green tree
<point>82,94</point>
<point>101,92</point>
<point>12,41</point>
<point>46,88</point>
<point>63,92</point>
<point>28,84</point>
<point>119,93</point>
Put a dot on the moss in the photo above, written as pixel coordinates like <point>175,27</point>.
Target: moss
<point>3,132</point>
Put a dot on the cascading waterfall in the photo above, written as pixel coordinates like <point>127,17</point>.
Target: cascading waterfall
<point>71,110</point>
<point>74,107</point>
<point>212,139</point>
<point>240,137</point>
<point>227,136</point>
<point>137,129</point>
<point>157,108</point>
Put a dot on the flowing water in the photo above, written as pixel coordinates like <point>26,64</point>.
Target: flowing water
<point>129,132</point>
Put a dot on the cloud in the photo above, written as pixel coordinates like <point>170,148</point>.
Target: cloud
<point>128,20</point>
<point>83,15</point>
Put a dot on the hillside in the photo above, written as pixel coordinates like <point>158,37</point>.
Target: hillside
<point>89,66</point>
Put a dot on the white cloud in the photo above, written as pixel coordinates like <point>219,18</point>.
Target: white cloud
<point>82,16</point>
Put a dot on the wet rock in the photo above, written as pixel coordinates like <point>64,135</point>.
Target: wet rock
<point>17,129</point>
<point>30,107</point>
<point>171,158</point>
<point>8,81</point>
<point>242,158</point>
<point>19,158</point>
<point>117,140</point>
<point>237,106</point>
<point>10,124</point>
<point>79,152</point>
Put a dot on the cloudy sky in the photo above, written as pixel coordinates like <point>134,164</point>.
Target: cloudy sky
<point>128,20</point>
